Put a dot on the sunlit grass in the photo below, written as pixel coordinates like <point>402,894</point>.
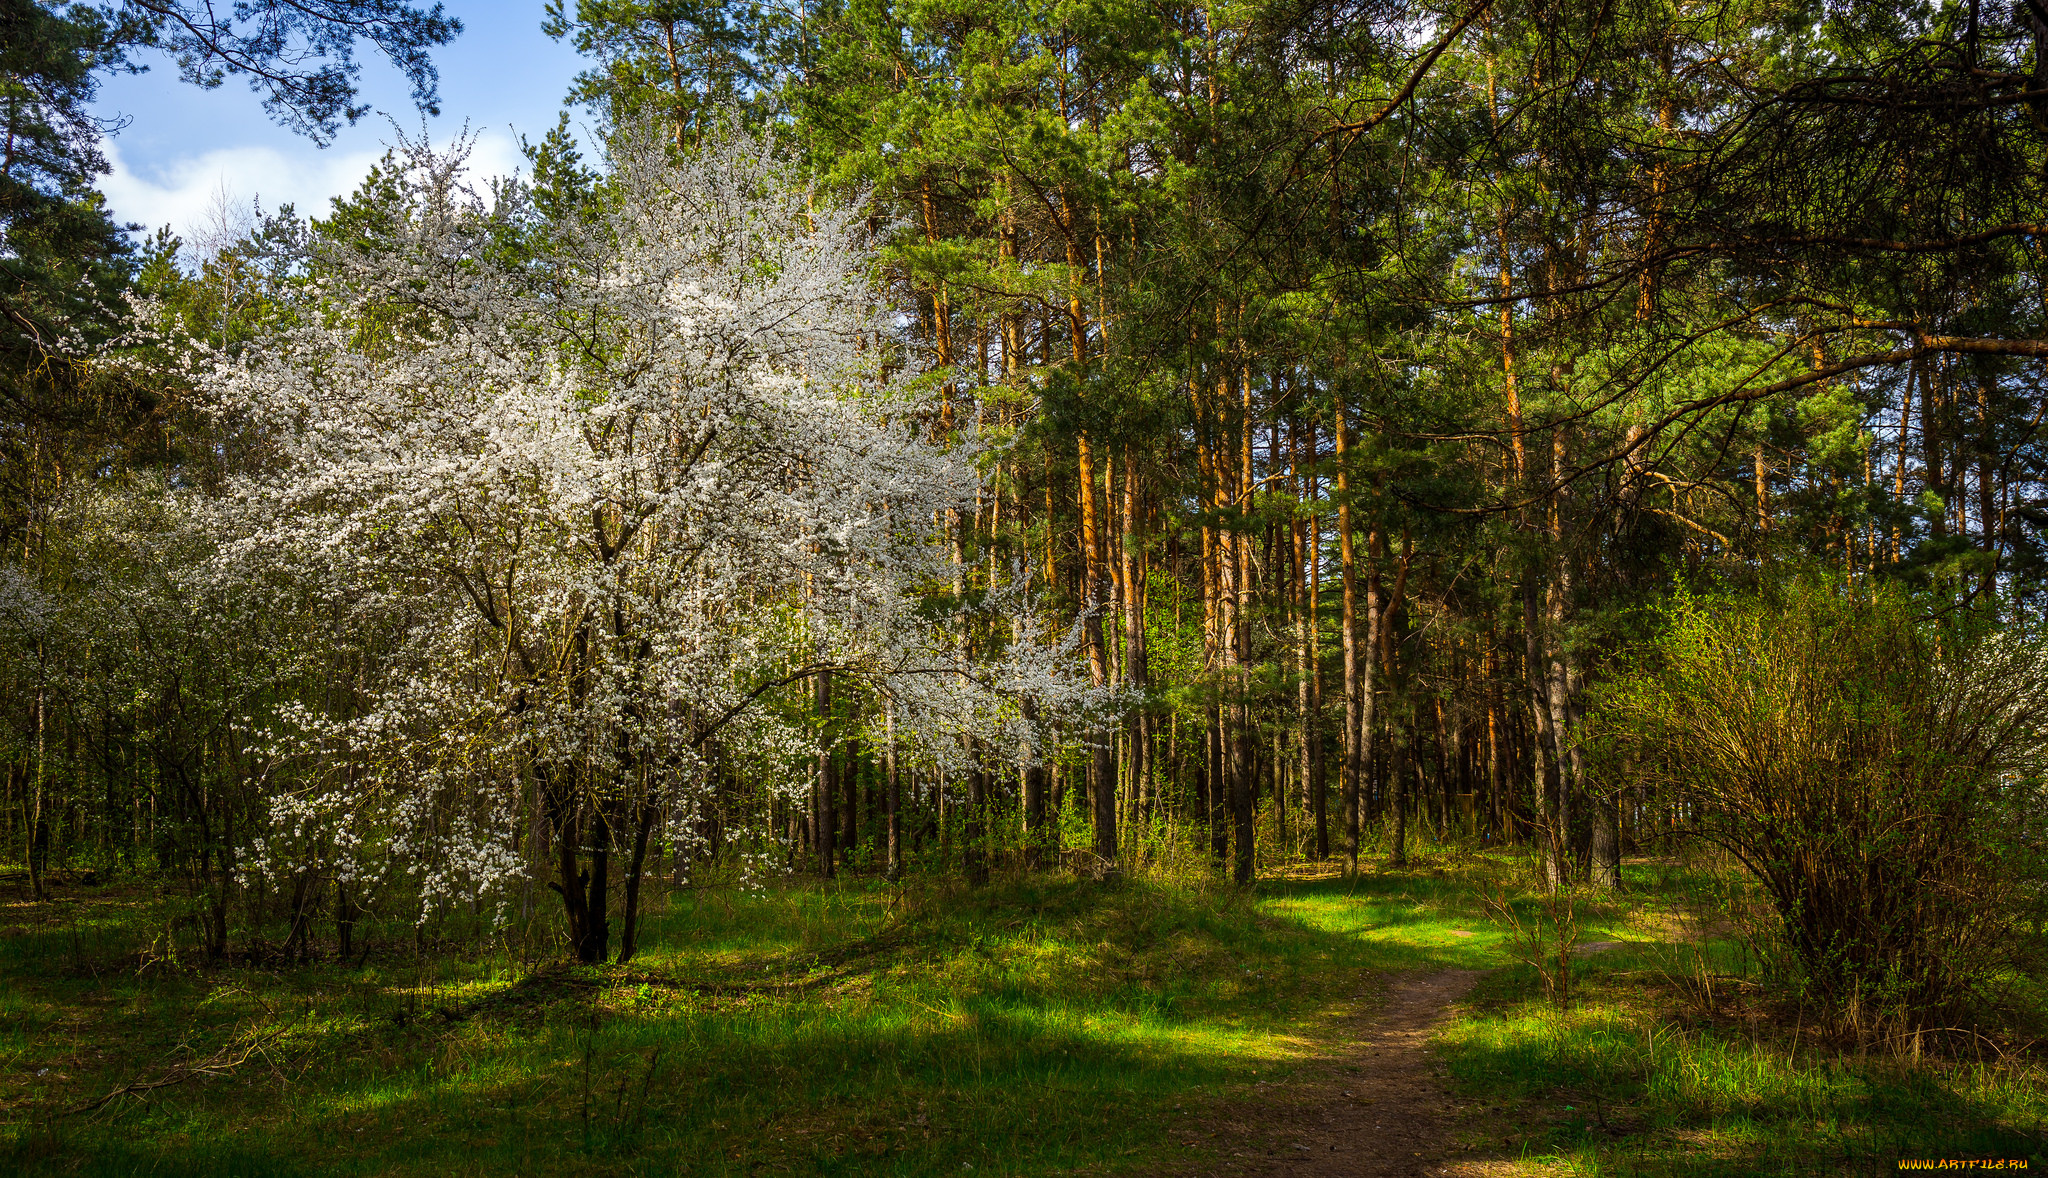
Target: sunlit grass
<point>857,1028</point>
<point>844,1029</point>
<point>1642,1077</point>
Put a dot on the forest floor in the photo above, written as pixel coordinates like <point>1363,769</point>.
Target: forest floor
<point>1312,1025</point>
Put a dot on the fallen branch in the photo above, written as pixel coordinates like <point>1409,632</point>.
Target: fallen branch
<point>220,1063</point>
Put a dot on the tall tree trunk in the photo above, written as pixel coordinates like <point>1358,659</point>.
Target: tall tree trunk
<point>1606,841</point>
<point>1243,727</point>
<point>1931,453</point>
<point>1545,755</point>
<point>1557,684</point>
<point>1299,579</point>
<point>1356,693</point>
<point>1137,675</point>
<point>1563,672</point>
<point>1898,470</point>
<point>1397,796</point>
<point>1101,763</point>
<point>1215,621</point>
<point>1318,771</point>
<point>1990,527</point>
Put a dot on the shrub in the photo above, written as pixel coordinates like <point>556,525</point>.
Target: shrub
<point>1880,774</point>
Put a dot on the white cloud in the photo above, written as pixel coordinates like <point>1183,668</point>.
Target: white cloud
<point>186,194</point>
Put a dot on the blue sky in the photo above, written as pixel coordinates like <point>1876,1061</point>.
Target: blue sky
<point>184,147</point>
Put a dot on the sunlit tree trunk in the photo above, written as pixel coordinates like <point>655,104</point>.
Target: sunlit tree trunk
<point>1243,725</point>
<point>1101,763</point>
<point>1136,672</point>
<point>1357,702</point>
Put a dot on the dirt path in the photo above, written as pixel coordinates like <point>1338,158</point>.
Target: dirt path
<point>1377,1110</point>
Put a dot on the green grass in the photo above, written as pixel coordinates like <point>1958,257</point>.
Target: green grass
<point>1645,1077</point>
<point>1037,1026</point>
<point>818,1029</point>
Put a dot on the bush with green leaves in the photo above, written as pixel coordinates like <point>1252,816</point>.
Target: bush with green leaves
<point>1879,770</point>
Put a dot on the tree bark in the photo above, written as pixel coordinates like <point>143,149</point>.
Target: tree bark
<point>1397,798</point>
<point>1545,757</point>
<point>629,933</point>
<point>1101,762</point>
<point>1137,673</point>
<point>1305,652</point>
<point>1243,805</point>
<point>1355,692</point>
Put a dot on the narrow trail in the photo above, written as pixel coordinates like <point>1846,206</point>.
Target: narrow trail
<point>1376,1109</point>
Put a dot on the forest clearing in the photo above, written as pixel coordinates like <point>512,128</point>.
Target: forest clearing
<point>1036,1026</point>
<point>1162,587</point>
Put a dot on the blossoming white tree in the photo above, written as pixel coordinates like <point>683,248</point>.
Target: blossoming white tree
<point>603,483</point>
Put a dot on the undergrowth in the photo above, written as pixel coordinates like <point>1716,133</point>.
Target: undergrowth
<point>1682,1054</point>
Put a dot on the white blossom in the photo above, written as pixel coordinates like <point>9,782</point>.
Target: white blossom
<point>584,494</point>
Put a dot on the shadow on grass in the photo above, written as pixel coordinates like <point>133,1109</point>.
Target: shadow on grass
<point>1629,1084</point>
<point>1039,1025</point>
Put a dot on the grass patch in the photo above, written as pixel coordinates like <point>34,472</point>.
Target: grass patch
<point>1643,1078</point>
<point>1037,1026</point>
<point>846,1028</point>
